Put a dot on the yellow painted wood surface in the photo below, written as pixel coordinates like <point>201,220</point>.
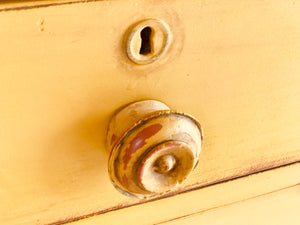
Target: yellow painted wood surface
<point>9,5</point>
<point>233,202</point>
<point>62,75</point>
<point>281,207</point>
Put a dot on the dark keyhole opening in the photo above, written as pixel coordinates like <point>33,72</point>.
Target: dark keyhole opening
<point>146,41</point>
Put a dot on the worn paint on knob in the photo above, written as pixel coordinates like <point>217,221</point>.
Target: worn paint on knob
<point>164,164</point>
<point>152,149</point>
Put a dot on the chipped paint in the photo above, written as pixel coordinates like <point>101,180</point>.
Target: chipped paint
<point>125,181</point>
<point>172,144</point>
<point>139,141</point>
<point>113,139</point>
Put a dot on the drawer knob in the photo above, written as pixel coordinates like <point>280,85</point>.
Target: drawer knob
<point>152,148</point>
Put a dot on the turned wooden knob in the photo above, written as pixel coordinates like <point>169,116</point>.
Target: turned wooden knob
<point>152,149</point>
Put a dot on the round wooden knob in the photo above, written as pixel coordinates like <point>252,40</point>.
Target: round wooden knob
<point>152,149</point>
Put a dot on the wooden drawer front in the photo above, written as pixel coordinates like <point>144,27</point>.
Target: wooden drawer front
<point>63,73</point>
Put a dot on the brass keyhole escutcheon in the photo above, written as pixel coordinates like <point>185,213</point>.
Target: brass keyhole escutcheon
<point>152,148</point>
<point>148,41</point>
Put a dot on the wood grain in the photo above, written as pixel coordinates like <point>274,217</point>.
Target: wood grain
<point>63,73</point>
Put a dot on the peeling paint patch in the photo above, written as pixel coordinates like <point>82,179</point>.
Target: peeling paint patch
<point>172,144</point>
<point>125,181</point>
<point>139,141</point>
<point>113,139</point>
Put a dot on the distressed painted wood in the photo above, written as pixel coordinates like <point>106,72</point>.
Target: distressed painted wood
<point>12,5</point>
<point>235,67</point>
<point>280,207</point>
<point>228,202</point>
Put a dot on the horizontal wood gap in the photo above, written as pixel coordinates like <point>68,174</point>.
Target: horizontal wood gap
<point>43,5</point>
<point>69,220</point>
<point>224,205</point>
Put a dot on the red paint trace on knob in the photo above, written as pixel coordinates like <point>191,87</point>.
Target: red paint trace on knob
<point>139,141</point>
<point>125,181</point>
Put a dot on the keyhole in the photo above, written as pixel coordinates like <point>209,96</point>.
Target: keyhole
<point>146,41</point>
